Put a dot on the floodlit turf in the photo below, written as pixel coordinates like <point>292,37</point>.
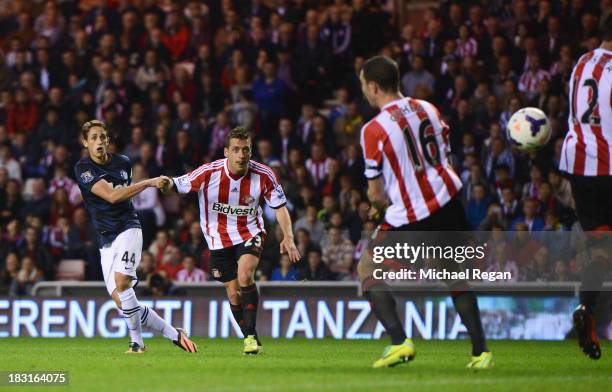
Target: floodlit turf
<point>305,365</point>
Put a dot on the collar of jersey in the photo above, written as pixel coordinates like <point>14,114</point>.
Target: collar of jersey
<point>389,104</point>
<point>230,175</point>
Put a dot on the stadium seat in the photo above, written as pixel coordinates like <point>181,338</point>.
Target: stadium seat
<point>71,269</point>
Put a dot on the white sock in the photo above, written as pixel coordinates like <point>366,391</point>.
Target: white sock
<point>131,313</point>
<point>150,319</point>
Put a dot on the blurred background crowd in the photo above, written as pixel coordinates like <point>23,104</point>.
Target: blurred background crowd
<point>171,78</point>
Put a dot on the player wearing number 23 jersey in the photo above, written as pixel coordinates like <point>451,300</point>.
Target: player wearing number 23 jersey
<point>231,192</point>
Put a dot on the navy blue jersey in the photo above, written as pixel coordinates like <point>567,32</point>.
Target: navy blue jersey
<point>109,219</point>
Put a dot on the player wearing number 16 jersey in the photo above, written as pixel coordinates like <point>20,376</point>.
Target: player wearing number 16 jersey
<point>406,157</point>
<point>105,183</point>
<point>586,156</point>
<point>231,192</point>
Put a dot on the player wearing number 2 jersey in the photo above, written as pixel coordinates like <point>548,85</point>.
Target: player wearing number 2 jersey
<point>406,156</point>
<point>231,192</point>
<point>586,156</point>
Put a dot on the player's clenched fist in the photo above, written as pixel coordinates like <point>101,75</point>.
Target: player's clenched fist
<point>165,184</point>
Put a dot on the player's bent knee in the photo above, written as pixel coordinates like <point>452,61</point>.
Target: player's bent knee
<point>245,279</point>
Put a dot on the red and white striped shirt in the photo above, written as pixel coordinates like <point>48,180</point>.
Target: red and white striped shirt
<point>467,48</point>
<point>230,207</point>
<point>196,275</point>
<point>407,143</point>
<point>318,169</point>
<point>587,147</point>
<point>528,82</point>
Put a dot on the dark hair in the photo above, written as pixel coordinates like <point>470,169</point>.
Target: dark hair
<point>90,124</point>
<point>314,250</point>
<point>237,133</point>
<point>606,27</point>
<point>383,71</point>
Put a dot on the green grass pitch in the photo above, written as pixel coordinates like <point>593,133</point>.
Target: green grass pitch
<point>304,365</point>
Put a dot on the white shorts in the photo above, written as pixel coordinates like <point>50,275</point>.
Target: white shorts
<point>123,256</point>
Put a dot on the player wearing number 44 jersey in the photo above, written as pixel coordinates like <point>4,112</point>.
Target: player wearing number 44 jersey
<point>230,193</point>
<point>586,156</point>
<point>105,183</point>
<point>406,156</point>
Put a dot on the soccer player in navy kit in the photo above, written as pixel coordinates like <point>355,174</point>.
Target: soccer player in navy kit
<point>105,183</point>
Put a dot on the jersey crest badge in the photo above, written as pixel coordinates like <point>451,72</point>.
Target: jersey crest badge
<point>87,177</point>
<point>247,200</point>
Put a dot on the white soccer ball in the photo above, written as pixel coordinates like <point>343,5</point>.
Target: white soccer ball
<point>528,129</point>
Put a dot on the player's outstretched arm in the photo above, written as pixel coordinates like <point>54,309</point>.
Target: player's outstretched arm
<point>112,195</point>
<point>287,245</point>
<point>167,185</point>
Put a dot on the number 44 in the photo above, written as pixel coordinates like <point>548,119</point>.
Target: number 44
<point>126,259</point>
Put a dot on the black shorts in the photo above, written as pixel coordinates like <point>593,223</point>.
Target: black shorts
<point>449,221</point>
<point>224,262</point>
<point>446,227</point>
<point>593,197</point>
<point>450,217</point>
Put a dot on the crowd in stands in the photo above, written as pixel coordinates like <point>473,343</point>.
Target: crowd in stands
<point>170,78</point>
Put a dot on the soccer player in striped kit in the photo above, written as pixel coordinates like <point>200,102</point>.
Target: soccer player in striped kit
<point>409,176</point>
<point>231,192</point>
<point>586,158</point>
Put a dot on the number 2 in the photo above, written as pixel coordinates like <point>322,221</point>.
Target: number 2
<point>588,117</point>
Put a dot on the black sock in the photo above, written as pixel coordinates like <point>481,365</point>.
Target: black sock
<point>383,306</point>
<point>467,307</point>
<point>238,316</point>
<point>250,300</point>
<point>592,280</point>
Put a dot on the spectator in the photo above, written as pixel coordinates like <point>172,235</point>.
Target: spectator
<point>318,163</point>
<point>511,207</point>
<point>285,271</point>
<point>27,276</point>
<point>476,209</point>
<point>531,188</point>
<point>338,254</point>
<point>195,246</point>
<point>539,270</point>
<point>82,243</point>
<point>269,94</point>
<point>561,188</point>
<point>311,224</point>
<point>8,275</point>
<point>501,263</point>
<point>530,79</point>
<point>33,248</point>
<point>39,204</point>
<point>529,216</point>
<point>9,163</point>
<point>418,76</point>
<point>160,247</point>
<point>189,272</point>
<point>285,141</point>
<point>146,268</point>
<point>316,269</point>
